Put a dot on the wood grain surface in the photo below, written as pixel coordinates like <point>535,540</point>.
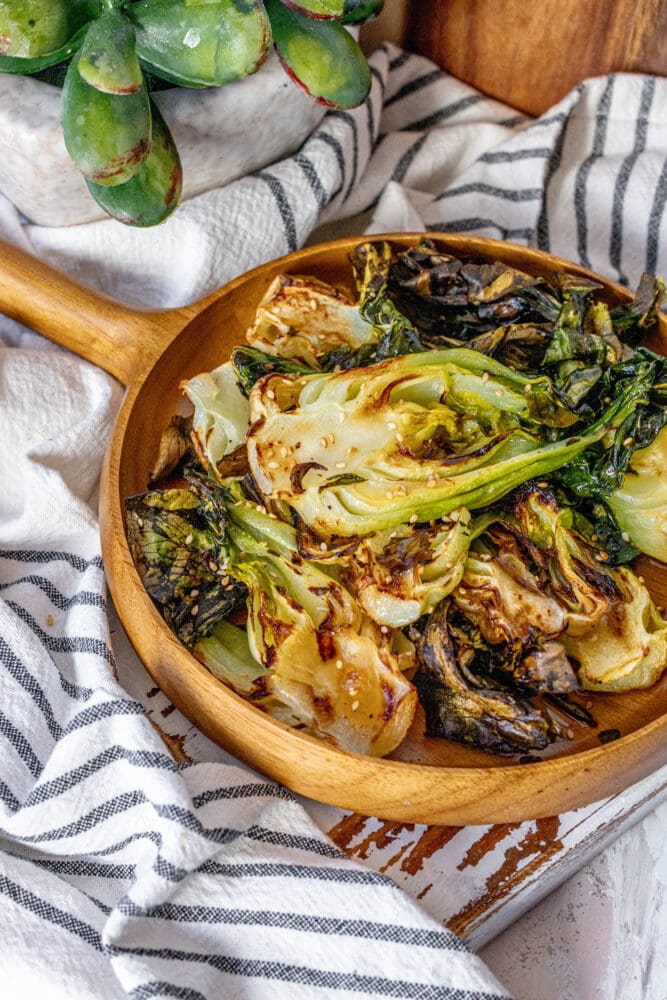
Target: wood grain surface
<point>530,54</point>
<point>426,780</point>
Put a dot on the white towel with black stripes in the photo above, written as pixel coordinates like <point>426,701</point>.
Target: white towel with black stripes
<point>123,873</point>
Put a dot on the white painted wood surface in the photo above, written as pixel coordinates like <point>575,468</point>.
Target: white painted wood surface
<point>572,907</point>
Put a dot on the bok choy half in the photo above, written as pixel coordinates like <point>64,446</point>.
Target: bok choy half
<point>424,491</point>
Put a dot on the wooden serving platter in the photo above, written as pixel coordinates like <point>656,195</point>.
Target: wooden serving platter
<point>425,781</point>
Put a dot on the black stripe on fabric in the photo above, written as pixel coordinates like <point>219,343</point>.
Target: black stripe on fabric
<point>41,556</point>
<point>334,144</point>
<point>83,869</point>
<point>556,119</point>
<point>370,122</point>
<point>414,86</point>
<point>63,644</point>
<point>162,988</point>
<point>104,710</point>
<point>507,194</point>
<point>85,597</point>
<point>8,797</point>
<point>542,228</point>
<point>406,160</point>
<point>121,804</point>
<point>581,179</point>
<point>514,121</point>
<point>400,60</point>
<point>25,679</point>
<point>380,79</point>
<point>616,238</point>
<point>110,755</point>
<point>279,839</point>
<point>655,218</point>
<point>350,120</point>
<point>510,156</point>
<point>120,845</point>
<point>314,182</point>
<point>61,918</point>
<point>303,922</point>
<point>317,978</point>
<point>248,791</point>
<point>21,745</point>
<point>277,190</point>
<point>76,691</point>
<point>276,869</point>
<point>442,114</point>
<point>469,225</point>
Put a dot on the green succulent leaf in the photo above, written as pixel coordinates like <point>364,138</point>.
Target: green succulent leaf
<point>154,192</point>
<point>108,136</point>
<point>108,60</point>
<point>201,44</point>
<point>328,9</point>
<point>37,29</point>
<point>366,10</point>
<point>320,56</point>
<point>23,67</point>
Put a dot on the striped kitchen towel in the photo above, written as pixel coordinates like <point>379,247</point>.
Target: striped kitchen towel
<point>123,872</point>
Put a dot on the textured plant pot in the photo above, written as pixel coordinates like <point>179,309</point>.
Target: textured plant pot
<point>221,134</point>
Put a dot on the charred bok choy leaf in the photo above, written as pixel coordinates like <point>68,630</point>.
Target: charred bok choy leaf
<point>625,472</point>
<point>326,660</point>
<point>179,545</point>
<point>412,437</point>
<point>609,626</point>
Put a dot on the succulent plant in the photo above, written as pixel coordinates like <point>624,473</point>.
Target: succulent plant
<point>117,50</point>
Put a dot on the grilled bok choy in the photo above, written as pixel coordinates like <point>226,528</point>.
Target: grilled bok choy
<point>429,491</point>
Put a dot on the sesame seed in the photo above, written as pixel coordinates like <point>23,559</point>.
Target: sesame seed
<point>431,483</point>
<point>274,465</point>
<point>323,546</point>
<point>399,437</point>
<point>324,442</point>
<point>341,418</point>
<point>391,425</point>
<point>270,393</point>
<point>569,733</point>
<point>389,494</point>
<point>588,704</point>
<point>392,534</point>
<point>194,610</point>
<point>339,664</point>
<point>355,706</point>
<point>194,593</point>
<point>340,465</point>
<point>260,508</point>
<point>384,629</point>
<point>607,400</point>
<point>331,438</point>
<point>499,392</point>
<point>350,451</point>
<point>625,536</point>
<point>413,518</point>
<point>189,539</point>
<point>485,377</point>
<point>628,441</point>
<point>543,485</point>
<point>284,452</point>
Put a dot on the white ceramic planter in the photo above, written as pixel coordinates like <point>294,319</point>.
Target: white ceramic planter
<point>221,134</point>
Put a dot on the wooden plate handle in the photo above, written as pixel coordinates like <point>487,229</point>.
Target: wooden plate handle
<point>123,341</point>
